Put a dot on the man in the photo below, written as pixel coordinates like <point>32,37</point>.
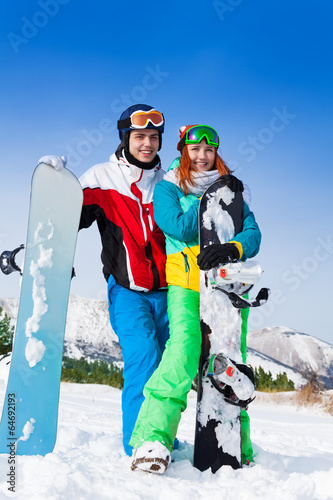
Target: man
<point>118,195</point>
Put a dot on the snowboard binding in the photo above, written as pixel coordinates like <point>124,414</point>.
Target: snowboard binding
<point>7,261</point>
<point>242,303</point>
<point>239,276</point>
<point>235,381</point>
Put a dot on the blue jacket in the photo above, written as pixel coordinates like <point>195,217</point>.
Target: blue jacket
<point>177,215</point>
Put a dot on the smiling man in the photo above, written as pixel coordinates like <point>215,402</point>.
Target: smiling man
<point>118,195</point>
<point>144,144</point>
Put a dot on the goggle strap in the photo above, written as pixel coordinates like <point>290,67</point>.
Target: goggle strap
<point>125,123</point>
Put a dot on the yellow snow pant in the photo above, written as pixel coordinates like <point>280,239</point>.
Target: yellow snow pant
<point>166,390</point>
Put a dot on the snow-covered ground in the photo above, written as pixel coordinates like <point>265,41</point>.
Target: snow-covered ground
<point>294,456</point>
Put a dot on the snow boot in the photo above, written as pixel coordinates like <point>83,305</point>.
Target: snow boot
<point>151,457</point>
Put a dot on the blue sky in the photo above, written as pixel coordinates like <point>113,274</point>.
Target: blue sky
<point>259,72</point>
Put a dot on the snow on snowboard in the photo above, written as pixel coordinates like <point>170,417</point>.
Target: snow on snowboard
<point>30,410</point>
<point>224,384</point>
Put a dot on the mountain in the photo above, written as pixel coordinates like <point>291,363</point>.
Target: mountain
<point>291,348</point>
<point>275,349</point>
<point>269,364</point>
<point>88,330</point>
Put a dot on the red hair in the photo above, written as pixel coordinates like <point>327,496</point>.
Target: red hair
<point>184,172</point>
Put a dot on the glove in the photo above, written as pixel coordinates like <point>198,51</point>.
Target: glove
<point>234,184</point>
<point>57,162</point>
<point>217,254</point>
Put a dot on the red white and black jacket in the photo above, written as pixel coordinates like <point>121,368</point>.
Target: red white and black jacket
<point>118,195</point>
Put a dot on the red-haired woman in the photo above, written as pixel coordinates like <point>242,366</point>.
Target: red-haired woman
<point>176,201</point>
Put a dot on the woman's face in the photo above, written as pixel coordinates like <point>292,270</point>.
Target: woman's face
<point>202,156</point>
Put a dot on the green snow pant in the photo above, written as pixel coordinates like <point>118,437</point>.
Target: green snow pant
<point>247,450</point>
<point>166,390</point>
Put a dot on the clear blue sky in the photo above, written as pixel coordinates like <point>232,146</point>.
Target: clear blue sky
<point>260,72</point>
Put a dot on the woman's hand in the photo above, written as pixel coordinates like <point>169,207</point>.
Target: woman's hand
<point>233,183</point>
<point>217,254</point>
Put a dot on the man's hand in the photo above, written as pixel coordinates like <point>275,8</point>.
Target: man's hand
<point>57,162</point>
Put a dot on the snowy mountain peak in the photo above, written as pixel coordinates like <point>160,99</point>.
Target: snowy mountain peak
<point>294,349</point>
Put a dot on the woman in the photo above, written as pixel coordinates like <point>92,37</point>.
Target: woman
<point>176,201</point>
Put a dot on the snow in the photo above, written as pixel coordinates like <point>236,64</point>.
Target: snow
<point>294,456</point>
<point>4,366</point>
<point>28,429</point>
<point>35,348</point>
<point>34,351</point>
<point>220,218</point>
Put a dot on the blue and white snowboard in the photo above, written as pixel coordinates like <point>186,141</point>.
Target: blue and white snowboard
<point>30,410</point>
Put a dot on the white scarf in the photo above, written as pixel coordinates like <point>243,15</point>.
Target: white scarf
<point>202,180</point>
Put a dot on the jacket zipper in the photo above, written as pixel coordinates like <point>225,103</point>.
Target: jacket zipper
<point>187,266</point>
<point>150,220</point>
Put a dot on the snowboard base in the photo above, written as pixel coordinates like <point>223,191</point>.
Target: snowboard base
<point>30,410</point>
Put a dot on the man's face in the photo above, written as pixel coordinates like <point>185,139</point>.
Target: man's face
<point>144,144</point>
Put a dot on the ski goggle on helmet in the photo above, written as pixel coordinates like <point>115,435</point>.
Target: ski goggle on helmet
<point>193,134</point>
<point>141,119</point>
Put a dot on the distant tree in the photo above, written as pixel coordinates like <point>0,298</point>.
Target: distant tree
<point>264,381</point>
<point>6,333</point>
<point>283,383</point>
<point>82,371</point>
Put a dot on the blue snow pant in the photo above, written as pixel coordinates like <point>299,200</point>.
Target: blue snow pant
<point>166,391</point>
<point>140,321</point>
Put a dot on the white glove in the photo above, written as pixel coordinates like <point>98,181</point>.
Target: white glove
<point>57,162</point>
